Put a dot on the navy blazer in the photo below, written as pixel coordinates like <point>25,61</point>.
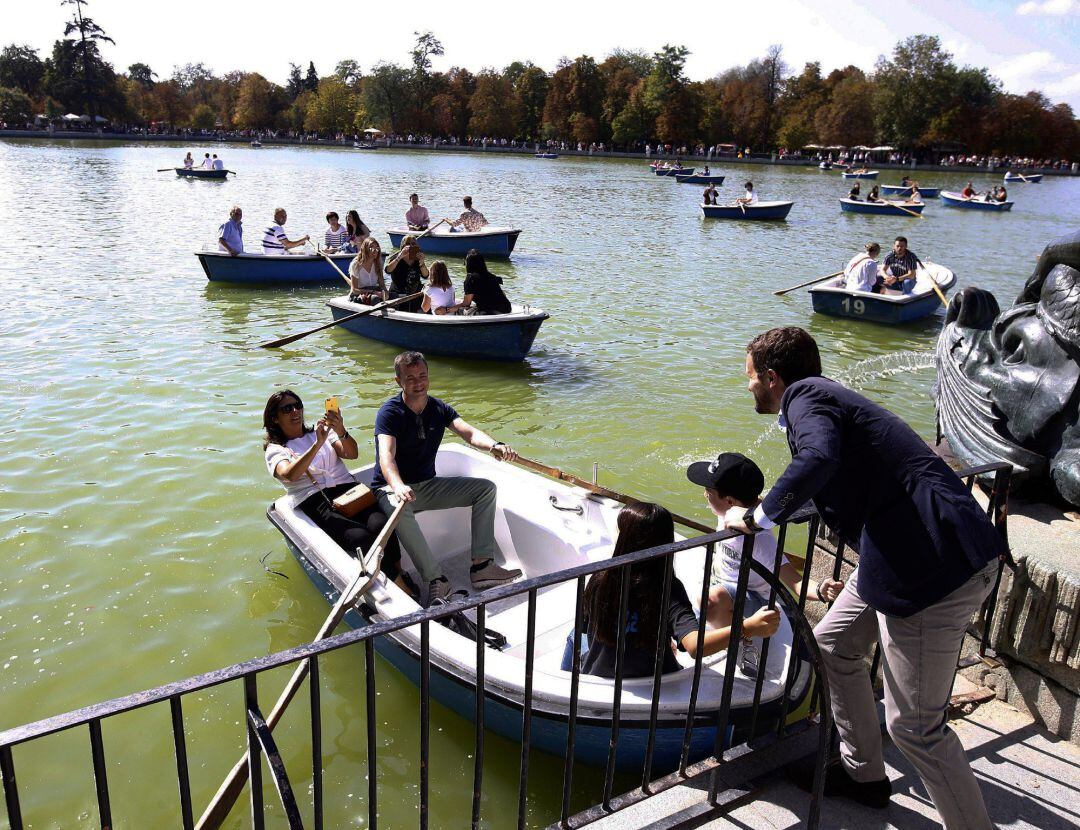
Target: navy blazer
<point>920,534</point>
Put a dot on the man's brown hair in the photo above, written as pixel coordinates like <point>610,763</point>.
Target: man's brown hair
<point>789,351</point>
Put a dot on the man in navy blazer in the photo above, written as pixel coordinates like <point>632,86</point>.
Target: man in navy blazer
<point>927,560</point>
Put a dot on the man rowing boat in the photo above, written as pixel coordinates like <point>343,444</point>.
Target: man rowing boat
<point>471,219</point>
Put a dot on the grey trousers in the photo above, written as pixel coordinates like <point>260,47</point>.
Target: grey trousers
<point>440,493</point>
<point>918,659</point>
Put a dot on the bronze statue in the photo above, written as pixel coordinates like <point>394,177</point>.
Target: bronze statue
<point>1009,382</point>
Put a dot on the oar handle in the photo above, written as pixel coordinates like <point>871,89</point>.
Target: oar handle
<point>328,258</point>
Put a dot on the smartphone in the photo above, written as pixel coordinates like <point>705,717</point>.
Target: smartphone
<point>332,405</point>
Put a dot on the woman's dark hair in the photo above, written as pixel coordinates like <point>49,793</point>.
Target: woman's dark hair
<point>352,221</point>
<point>789,351</point>
<point>274,435</point>
<point>641,526</point>
<point>474,262</point>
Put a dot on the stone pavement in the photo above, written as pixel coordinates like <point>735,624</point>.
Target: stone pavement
<point>1029,778</point>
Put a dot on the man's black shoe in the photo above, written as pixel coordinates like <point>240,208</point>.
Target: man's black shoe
<point>873,794</point>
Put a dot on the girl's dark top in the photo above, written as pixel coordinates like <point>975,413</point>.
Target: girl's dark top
<point>638,660</point>
<point>487,293</point>
<point>406,279</point>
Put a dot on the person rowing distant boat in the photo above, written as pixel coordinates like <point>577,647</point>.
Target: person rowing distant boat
<point>217,164</point>
<point>853,194</point>
<point>1000,194</point>
<point>905,181</point>
<point>968,192</point>
<point>748,198</point>
<point>417,217</point>
<point>275,242</point>
<point>471,219</point>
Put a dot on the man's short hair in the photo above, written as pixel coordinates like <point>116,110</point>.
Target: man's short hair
<point>406,359</point>
<point>414,196</point>
<point>279,210</point>
<point>331,215</point>
<point>901,239</point>
<point>789,351</point>
<point>234,209</point>
<point>468,201</point>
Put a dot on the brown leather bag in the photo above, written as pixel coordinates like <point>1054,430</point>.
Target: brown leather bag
<point>354,501</point>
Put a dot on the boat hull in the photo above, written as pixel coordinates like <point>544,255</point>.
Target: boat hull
<point>263,269</point>
<point>497,243</point>
<point>955,200</point>
<point>898,190</point>
<point>870,174</point>
<point>672,171</point>
<point>699,178</point>
<point>503,337</point>
<point>196,173</point>
<point>885,309</point>
<point>879,208</point>
<point>760,211</point>
<point>1034,178</point>
<point>546,155</point>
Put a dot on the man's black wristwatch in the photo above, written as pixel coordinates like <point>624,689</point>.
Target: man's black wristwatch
<point>750,522</point>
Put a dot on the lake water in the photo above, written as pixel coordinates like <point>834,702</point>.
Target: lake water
<point>132,522</point>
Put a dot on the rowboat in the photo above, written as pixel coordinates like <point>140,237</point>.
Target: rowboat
<point>365,145</point>
<point>256,143</point>
<point>957,200</point>
<point>547,155</point>
<point>298,269</point>
<point>825,165</point>
<point>866,174</point>
<point>900,190</point>
<point>834,299</point>
<point>543,526</point>
<point>698,178</point>
<point>490,241</point>
<point>505,337</point>
<point>881,208</point>
<point>673,171</point>
<point>201,173</point>
<point>1026,178</point>
<point>762,210</point>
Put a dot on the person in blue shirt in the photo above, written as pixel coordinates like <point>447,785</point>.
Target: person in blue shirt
<point>408,431</point>
<point>231,234</point>
<point>928,558</point>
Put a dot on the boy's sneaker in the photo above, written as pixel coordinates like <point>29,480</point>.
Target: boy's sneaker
<point>487,574</point>
<point>873,794</point>
<point>749,658</point>
<point>438,589</point>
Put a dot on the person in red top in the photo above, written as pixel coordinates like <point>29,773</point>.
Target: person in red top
<point>968,192</point>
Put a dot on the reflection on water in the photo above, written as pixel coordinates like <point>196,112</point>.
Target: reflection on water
<point>132,509</point>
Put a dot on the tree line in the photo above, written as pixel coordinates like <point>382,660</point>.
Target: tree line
<point>917,99</point>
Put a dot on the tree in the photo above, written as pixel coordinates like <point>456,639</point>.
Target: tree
<point>348,72</point>
<point>90,34</point>
<point>490,114</point>
<point>848,117</point>
<point>530,91</point>
<point>460,86</point>
<point>911,89</point>
<point>142,74</point>
<point>803,97</point>
<point>666,93</point>
<point>773,69</point>
<point>620,72</point>
<point>21,68</point>
<point>637,121</point>
<point>386,92</point>
<point>332,108</point>
<point>295,84</point>
<point>257,104</point>
<point>311,79</point>
<point>203,117</point>
<point>16,108</point>
<point>422,84</point>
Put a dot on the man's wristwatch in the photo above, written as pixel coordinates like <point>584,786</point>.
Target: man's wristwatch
<point>749,521</point>
<point>497,444</point>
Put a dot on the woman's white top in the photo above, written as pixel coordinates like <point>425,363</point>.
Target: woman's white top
<point>326,468</point>
<point>861,273</point>
<point>440,297</point>
<point>365,277</point>
<point>751,197</point>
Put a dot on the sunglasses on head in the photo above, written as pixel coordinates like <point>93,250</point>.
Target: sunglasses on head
<point>290,407</point>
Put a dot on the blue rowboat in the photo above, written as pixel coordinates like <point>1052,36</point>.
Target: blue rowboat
<point>881,208</point>
<point>490,241</point>
<point>1027,178</point>
<point>762,210</point>
<point>672,171</point>
<point>834,299</point>
<point>201,173</point>
<point>698,178</point>
<point>866,174</point>
<point>900,190</point>
<point>482,337</point>
<point>956,200</point>
<point>547,155</point>
<point>542,526</point>
<point>365,145</point>
<point>292,269</point>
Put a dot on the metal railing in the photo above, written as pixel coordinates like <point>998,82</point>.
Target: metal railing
<point>759,734</point>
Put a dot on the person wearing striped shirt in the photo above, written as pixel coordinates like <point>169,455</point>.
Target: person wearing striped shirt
<point>275,242</point>
<point>899,268</point>
<point>336,234</point>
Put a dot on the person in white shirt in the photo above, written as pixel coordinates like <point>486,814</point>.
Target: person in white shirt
<point>749,198</point>
<point>275,242</point>
<point>861,272</point>
<point>206,163</point>
<point>218,164</point>
<point>439,292</point>
<point>189,162</point>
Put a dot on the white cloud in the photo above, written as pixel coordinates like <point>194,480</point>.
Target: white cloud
<point>1064,87</point>
<point>1051,8</point>
<point>1022,69</point>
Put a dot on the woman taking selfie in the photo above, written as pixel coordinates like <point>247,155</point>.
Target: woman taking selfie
<point>308,463</point>
<point>407,273</point>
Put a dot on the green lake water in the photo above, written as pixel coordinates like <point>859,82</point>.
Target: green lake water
<point>132,502</point>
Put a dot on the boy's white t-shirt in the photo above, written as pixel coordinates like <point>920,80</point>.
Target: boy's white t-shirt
<point>730,553</point>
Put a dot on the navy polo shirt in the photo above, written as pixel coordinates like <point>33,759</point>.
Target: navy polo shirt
<point>418,437</point>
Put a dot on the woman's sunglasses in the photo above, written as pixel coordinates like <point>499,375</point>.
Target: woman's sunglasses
<point>290,407</point>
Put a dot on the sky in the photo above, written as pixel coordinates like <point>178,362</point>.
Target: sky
<point>1027,44</point>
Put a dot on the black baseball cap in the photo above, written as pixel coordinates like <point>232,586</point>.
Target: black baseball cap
<point>730,474</point>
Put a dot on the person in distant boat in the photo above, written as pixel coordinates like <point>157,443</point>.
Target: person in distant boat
<point>905,181</point>
<point>189,162</point>
<point>207,164</point>
<point>308,463</point>
<point>231,234</point>
<point>275,242</point>
<point>417,217</point>
<point>439,292</point>
<point>853,194</point>
<point>644,525</point>
<point>1000,194</point>
<point>366,274</point>
<point>900,268</point>
<point>483,290</point>
<point>915,197</point>
<point>706,173</point>
<point>409,429</point>
<point>471,219</point>
<point>874,195</point>
<point>336,235</point>
<point>357,232</point>
<point>861,272</point>
<point>217,163</point>
<point>710,194</point>
<point>732,480</point>
<point>407,273</point>
<point>968,192</point>
<point>749,197</point>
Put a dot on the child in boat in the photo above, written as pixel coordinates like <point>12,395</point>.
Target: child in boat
<point>733,483</point>
<point>642,526</point>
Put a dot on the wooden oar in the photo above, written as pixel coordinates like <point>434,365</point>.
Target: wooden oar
<point>273,344</point>
<point>911,212</point>
<point>558,474</point>
<point>398,254</point>
<point>327,257</point>
<point>166,170</point>
<point>223,801</point>
<point>804,284</point>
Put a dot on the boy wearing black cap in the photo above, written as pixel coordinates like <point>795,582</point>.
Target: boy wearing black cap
<point>733,480</point>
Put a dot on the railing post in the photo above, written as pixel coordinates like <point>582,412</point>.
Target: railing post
<point>526,714</point>
<point>372,735</point>
<point>316,742</point>
<point>180,746</point>
<point>11,789</point>
<point>575,684</point>
<point>251,702</point>
<point>101,780</point>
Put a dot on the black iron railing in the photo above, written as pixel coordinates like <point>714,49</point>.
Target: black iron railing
<point>260,740</point>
